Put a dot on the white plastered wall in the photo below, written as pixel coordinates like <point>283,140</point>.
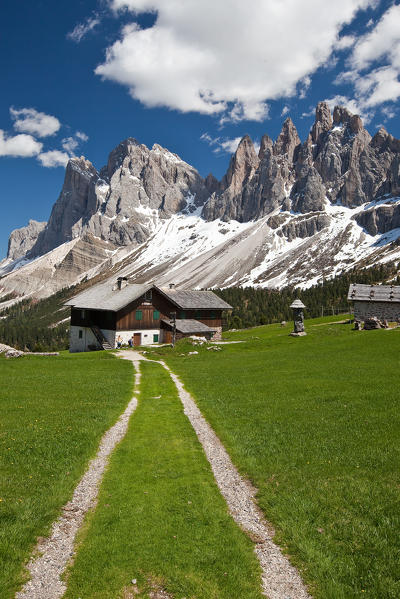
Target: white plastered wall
<point>82,344</point>
<point>77,344</point>
<point>147,336</point>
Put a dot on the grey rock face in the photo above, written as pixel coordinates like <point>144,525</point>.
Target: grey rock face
<point>323,121</point>
<point>308,193</point>
<point>125,201</point>
<point>75,205</point>
<point>288,141</point>
<point>304,227</point>
<point>381,219</point>
<point>121,203</point>
<point>22,240</point>
<point>230,204</point>
<point>338,163</point>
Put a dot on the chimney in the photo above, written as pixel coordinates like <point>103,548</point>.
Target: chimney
<point>172,285</point>
<point>121,282</point>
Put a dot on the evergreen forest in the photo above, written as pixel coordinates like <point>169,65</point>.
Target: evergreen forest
<point>43,325</point>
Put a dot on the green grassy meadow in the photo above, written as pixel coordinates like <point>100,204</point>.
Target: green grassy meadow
<point>53,412</point>
<point>160,518</point>
<point>314,422</point>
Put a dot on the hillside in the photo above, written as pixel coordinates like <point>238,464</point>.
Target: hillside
<point>44,324</point>
<point>293,214</point>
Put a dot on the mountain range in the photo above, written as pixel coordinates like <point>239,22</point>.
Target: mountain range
<point>293,213</point>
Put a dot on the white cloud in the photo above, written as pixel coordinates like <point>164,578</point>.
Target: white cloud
<point>221,144</point>
<point>70,144</point>
<point>135,5</point>
<point>374,63</point>
<point>347,41</point>
<point>41,125</point>
<point>53,158</point>
<point>388,112</point>
<point>82,29</point>
<point>351,104</point>
<point>82,136</point>
<point>22,145</point>
<point>382,42</point>
<point>209,56</point>
<point>378,86</point>
<point>309,112</point>
<point>29,120</point>
<point>285,110</point>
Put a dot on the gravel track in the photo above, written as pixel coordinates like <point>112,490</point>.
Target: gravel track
<point>57,550</point>
<point>280,580</point>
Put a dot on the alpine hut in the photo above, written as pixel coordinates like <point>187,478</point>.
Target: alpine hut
<point>146,314</point>
<point>380,301</point>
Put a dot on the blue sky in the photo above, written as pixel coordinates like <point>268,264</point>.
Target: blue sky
<point>80,76</point>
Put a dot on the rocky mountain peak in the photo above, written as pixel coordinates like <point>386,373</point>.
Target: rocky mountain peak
<point>323,120</point>
<point>242,165</point>
<point>288,140</point>
<point>81,164</point>
<point>77,200</point>
<point>328,196</point>
<point>266,145</point>
<point>211,183</point>
<point>343,116</point>
<point>117,156</point>
<point>22,240</point>
<point>382,141</point>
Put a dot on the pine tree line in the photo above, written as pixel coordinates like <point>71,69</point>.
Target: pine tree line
<point>33,324</point>
<point>254,306</point>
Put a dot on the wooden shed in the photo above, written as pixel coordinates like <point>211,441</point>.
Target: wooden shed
<point>106,313</point>
<point>382,301</point>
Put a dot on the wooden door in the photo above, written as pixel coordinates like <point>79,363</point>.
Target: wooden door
<point>137,338</point>
<point>167,337</point>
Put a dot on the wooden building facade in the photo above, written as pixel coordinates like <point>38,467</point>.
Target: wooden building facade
<point>380,301</point>
<point>106,315</point>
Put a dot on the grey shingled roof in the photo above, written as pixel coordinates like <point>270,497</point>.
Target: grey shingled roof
<point>195,300</point>
<point>297,304</point>
<point>189,325</point>
<point>103,297</point>
<point>374,293</point>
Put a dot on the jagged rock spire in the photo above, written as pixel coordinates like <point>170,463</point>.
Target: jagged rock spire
<point>266,144</point>
<point>242,165</point>
<point>288,140</point>
<point>212,184</point>
<point>323,120</point>
<point>342,115</point>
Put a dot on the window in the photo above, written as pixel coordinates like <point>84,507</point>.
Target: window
<point>198,314</point>
<point>138,315</point>
<point>182,314</point>
<point>213,315</point>
<point>156,315</point>
<point>83,314</point>
<point>80,334</point>
<point>148,296</point>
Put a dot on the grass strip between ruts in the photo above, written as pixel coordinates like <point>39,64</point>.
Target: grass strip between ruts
<point>315,423</point>
<point>53,412</point>
<point>160,518</point>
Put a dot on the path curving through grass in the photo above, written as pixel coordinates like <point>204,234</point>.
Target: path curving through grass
<point>55,551</point>
<point>280,580</point>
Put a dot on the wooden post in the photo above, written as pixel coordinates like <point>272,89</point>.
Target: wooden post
<point>173,317</point>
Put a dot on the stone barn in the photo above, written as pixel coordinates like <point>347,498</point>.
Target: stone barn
<point>106,313</point>
<point>382,301</point>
